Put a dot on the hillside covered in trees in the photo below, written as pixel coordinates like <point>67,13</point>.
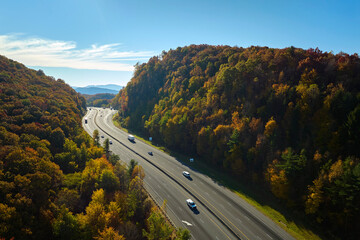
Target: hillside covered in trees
<point>286,119</point>
<point>56,182</point>
<point>99,100</point>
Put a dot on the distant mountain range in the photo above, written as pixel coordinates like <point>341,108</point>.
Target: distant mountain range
<point>95,89</point>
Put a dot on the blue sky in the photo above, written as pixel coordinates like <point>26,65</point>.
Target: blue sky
<point>98,41</point>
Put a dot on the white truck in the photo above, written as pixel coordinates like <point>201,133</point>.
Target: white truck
<point>131,138</point>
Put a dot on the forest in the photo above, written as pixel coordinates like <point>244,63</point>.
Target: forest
<point>99,100</point>
<point>286,119</point>
<point>56,181</point>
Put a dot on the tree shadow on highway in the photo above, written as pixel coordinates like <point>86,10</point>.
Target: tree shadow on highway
<point>256,192</point>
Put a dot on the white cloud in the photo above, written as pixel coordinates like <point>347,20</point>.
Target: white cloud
<point>54,53</point>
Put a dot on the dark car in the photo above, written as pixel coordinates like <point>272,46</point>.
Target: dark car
<point>150,153</point>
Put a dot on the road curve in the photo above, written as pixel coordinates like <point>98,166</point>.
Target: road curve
<point>227,215</point>
<point>202,225</point>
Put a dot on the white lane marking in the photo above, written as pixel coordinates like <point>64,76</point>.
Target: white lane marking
<point>187,223</point>
<point>258,237</point>
<point>221,205</point>
<point>149,177</point>
<point>201,220</point>
<point>239,220</point>
<point>268,235</point>
<point>158,186</point>
<point>229,204</point>
<point>168,207</point>
<point>207,193</point>
<point>216,237</point>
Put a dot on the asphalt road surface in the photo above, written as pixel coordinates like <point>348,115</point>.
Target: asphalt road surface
<point>220,214</point>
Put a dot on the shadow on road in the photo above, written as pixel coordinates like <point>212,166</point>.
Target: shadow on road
<point>190,178</point>
<point>196,211</point>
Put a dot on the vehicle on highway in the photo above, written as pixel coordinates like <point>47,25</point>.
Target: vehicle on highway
<point>191,203</point>
<point>85,120</point>
<point>102,136</point>
<point>186,174</point>
<point>110,142</point>
<point>131,138</point>
<point>150,153</point>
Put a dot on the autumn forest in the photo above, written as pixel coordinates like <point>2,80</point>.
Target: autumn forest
<point>287,120</point>
<point>56,181</point>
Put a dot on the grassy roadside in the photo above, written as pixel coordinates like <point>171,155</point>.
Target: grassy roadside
<point>293,223</point>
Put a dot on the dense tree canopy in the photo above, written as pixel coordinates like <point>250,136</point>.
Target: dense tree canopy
<point>56,182</point>
<point>287,118</point>
<point>99,100</point>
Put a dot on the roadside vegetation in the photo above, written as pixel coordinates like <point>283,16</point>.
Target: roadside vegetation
<point>285,120</point>
<point>293,222</point>
<point>56,182</point>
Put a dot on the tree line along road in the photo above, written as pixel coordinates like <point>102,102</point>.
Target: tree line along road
<point>221,213</point>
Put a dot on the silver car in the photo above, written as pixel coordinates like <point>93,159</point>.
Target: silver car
<point>186,174</point>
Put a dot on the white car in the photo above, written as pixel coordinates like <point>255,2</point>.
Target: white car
<point>131,138</point>
<point>186,174</point>
<point>190,203</point>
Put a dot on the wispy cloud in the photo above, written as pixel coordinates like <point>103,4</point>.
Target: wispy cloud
<point>54,53</point>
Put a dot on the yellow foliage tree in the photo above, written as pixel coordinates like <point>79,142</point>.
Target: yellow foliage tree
<point>138,171</point>
<point>280,89</point>
<point>109,234</point>
<point>336,170</point>
<point>95,217</point>
<point>315,197</point>
<point>270,127</point>
<point>278,181</point>
<point>113,216</point>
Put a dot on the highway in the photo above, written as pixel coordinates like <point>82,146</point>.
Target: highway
<point>221,213</point>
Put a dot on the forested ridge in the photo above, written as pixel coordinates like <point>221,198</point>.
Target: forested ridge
<point>285,119</point>
<point>56,182</point>
<point>99,100</point>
